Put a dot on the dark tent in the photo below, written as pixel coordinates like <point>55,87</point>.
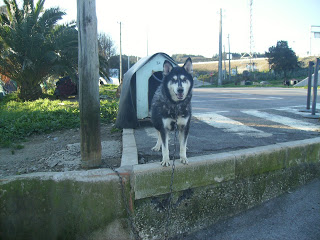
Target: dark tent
<point>138,87</point>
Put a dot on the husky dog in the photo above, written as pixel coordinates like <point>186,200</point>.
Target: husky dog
<point>171,105</point>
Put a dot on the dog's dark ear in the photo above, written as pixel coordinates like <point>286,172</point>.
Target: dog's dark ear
<point>188,65</point>
<point>167,67</point>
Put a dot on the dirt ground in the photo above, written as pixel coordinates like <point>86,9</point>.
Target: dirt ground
<point>58,151</point>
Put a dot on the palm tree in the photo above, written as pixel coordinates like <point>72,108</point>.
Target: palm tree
<point>33,46</point>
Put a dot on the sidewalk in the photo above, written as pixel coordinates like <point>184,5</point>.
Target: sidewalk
<point>292,216</point>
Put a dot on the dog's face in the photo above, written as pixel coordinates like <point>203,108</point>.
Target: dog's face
<point>178,80</point>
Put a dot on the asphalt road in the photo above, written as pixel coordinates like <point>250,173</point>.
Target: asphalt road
<point>291,216</point>
<point>227,119</point>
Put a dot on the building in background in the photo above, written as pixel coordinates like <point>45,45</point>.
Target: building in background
<point>314,41</point>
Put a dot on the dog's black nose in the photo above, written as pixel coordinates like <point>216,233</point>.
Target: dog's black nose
<point>180,90</point>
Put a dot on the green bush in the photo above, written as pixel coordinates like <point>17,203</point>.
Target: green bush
<point>19,120</point>
<point>22,119</point>
<point>109,110</point>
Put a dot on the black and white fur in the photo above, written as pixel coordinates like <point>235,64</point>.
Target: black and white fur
<point>171,105</point>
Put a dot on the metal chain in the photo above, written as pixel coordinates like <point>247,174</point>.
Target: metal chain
<point>124,197</point>
<point>132,224</point>
<point>172,179</point>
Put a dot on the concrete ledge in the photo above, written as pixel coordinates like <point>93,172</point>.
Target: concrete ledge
<point>153,179</point>
<point>96,175</point>
<point>218,186</point>
<point>129,149</point>
<point>67,205</point>
<point>89,204</point>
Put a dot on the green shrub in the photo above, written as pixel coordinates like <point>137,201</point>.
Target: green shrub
<point>22,119</point>
<point>19,120</point>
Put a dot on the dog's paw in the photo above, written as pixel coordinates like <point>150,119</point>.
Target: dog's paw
<point>184,160</point>
<point>156,148</point>
<point>165,163</point>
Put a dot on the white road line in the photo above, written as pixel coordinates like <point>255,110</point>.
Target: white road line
<point>275,98</point>
<point>216,100</point>
<point>230,125</point>
<point>293,123</point>
<point>219,99</point>
<point>293,110</point>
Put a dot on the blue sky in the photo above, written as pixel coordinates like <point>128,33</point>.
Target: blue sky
<point>192,27</point>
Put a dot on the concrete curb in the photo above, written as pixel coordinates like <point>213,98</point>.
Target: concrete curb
<point>211,187</point>
<point>217,186</point>
<point>152,179</point>
<point>95,175</point>
<point>129,149</point>
<point>64,205</point>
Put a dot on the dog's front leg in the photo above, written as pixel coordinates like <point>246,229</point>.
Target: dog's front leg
<point>165,149</point>
<point>183,146</point>
<point>183,126</point>
<point>157,147</point>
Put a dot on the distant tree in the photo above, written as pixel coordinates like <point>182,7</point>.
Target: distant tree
<point>114,62</point>
<point>33,46</point>
<point>282,58</point>
<point>107,50</point>
<point>236,56</point>
<point>106,46</point>
<point>260,55</point>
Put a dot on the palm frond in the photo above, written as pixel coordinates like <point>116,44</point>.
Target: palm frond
<point>39,8</point>
<point>49,18</point>
<point>16,13</point>
<point>8,9</point>
<point>28,5</point>
<point>4,19</point>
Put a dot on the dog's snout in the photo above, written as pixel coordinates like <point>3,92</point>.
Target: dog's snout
<point>180,90</point>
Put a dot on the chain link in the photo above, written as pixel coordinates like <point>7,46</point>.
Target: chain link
<point>172,178</point>
<point>168,215</point>
<point>124,197</point>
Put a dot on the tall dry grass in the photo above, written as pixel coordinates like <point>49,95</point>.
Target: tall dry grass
<point>261,64</point>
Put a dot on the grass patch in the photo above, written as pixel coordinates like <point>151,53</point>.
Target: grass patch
<point>19,120</point>
<point>108,90</point>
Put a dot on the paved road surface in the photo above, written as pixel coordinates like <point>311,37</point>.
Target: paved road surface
<point>292,216</point>
<point>227,119</point>
<point>237,118</point>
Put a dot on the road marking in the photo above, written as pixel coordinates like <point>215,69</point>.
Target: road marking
<point>291,110</point>
<point>295,110</point>
<point>215,100</point>
<point>275,98</point>
<point>293,123</point>
<point>230,125</point>
<point>236,98</point>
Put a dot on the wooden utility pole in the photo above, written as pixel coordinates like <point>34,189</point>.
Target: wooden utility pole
<point>89,101</point>
<point>120,67</point>
<point>229,59</point>
<point>220,50</point>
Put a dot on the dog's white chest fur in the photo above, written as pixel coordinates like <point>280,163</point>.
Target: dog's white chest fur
<point>181,121</point>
